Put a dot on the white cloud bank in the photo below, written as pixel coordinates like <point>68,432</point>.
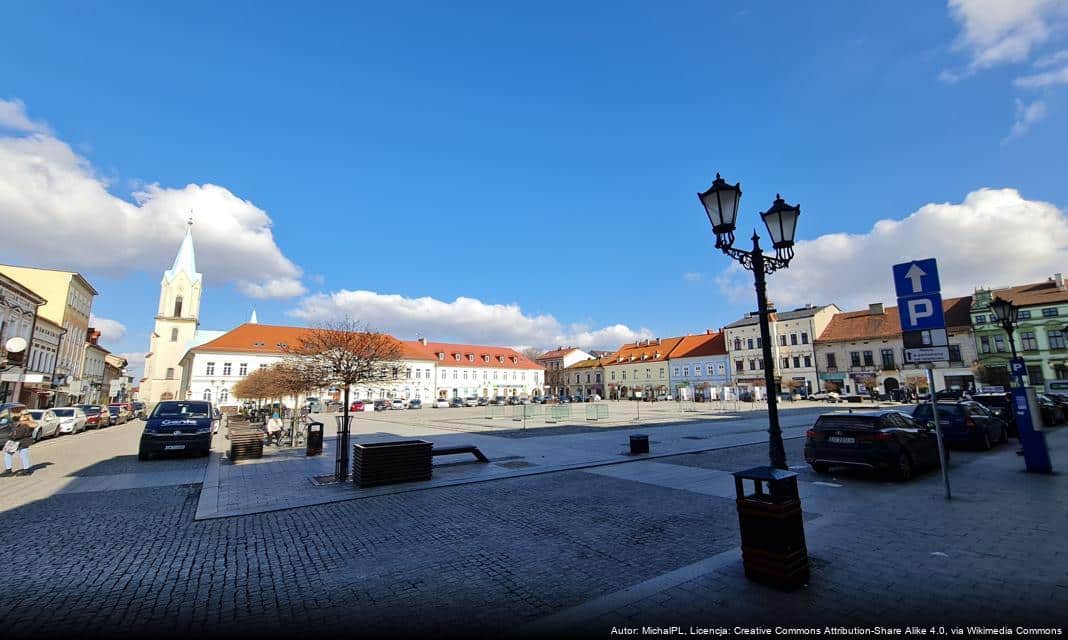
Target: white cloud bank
<point>997,32</point>
<point>462,320</point>
<point>57,212</point>
<point>994,237</point>
<point>1026,116</point>
<point>111,331</point>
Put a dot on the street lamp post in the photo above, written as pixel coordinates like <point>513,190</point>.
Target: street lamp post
<point>721,204</point>
<point>1007,314</point>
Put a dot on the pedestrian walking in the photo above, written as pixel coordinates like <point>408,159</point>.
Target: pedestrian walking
<point>18,425</point>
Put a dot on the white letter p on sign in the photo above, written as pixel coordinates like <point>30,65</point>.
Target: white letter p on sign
<point>919,308</point>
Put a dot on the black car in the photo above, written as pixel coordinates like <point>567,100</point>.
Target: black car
<point>456,403</point>
<point>177,426</point>
<point>999,404</point>
<point>382,405</point>
<point>884,441</point>
<point>1052,413</point>
<point>968,423</point>
<point>415,403</point>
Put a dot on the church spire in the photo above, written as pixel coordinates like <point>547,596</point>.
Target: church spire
<point>253,320</point>
<point>186,259</point>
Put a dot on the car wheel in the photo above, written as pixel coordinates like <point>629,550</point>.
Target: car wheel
<point>904,467</point>
<point>986,444</point>
<point>36,435</point>
<point>820,468</point>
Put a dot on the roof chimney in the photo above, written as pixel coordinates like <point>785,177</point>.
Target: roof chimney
<point>708,332</point>
<point>422,341</point>
<point>658,340</point>
<point>875,309</point>
<point>1059,279</point>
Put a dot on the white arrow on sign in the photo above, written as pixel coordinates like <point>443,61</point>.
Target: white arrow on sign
<point>916,274</point>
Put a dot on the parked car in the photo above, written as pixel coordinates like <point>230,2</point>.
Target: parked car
<point>415,403</point>
<point>563,399</point>
<point>882,441</point>
<point>482,402</point>
<point>46,424</point>
<point>125,410</point>
<point>498,400</point>
<point>514,400</point>
<point>356,406</point>
<point>382,405</point>
<point>524,399</point>
<point>1052,413</point>
<point>71,419</point>
<point>471,401</point>
<point>662,397</point>
<point>441,403</point>
<point>999,404</point>
<point>398,403</point>
<point>965,422</point>
<point>96,416</point>
<point>139,410</point>
<point>177,426</point>
<point>456,402</point>
<point>115,415</point>
<point>825,396</point>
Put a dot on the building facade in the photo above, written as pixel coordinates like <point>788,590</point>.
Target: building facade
<point>94,389</point>
<point>18,316</point>
<point>586,378</point>
<point>69,302</point>
<point>793,334</point>
<point>1039,336</point>
<point>862,352</point>
<point>116,382</point>
<point>37,389</point>
<point>555,362</point>
<point>464,370</point>
<point>699,367</point>
<point>640,369</point>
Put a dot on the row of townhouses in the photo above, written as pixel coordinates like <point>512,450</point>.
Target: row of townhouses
<point>822,348</point>
<point>49,355</point>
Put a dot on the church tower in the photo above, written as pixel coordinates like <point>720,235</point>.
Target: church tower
<point>177,319</point>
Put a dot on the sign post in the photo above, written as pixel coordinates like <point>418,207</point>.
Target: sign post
<point>923,326</point>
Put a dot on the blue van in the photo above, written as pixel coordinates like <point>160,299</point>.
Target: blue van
<point>177,426</point>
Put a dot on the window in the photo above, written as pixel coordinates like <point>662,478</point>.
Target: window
<point>804,337</point>
<point>178,307</point>
<point>697,370</point>
<point>441,356</point>
<point>613,375</point>
<point>686,370</point>
<point>737,344</point>
<point>980,319</point>
<point>782,340</point>
<point>1056,339</point>
<point>739,366</point>
<point>1034,374</point>
<point>170,373</point>
<point>455,374</point>
<point>954,353</point>
<point>854,358</point>
<point>785,363</point>
<point>1024,315</point>
<point>577,376</point>
<point>648,374</point>
<point>242,369</point>
<point>662,372</point>
<point>760,363</point>
<point>750,343</point>
<point>808,361</point>
<point>677,372</point>
<point>174,334</point>
<point>832,361</point>
<point>442,374</point>
<point>207,395</point>
<point>226,368</point>
<point>1049,313</point>
<point>984,344</point>
<point>999,344</point>
<point>624,375</point>
<point>597,376</point>
<point>760,343</point>
<point>209,369</point>
<point>1028,341</point>
<point>797,362</point>
<point>456,357</point>
<point>752,364</point>
<point>887,356</point>
<point>793,338</point>
<point>224,395</point>
<point>869,359</point>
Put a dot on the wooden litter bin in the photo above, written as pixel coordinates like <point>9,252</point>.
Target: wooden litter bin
<point>772,528</point>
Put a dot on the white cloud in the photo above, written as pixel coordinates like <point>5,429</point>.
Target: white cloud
<point>1045,79</point>
<point>135,365</point>
<point>1026,116</point>
<point>463,319</point>
<point>1052,60</point>
<point>110,330</point>
<point>691,276</point>
<point>994,237</point>
<point>57,212</point>
<point>998,31</point>
<point>13,116</point>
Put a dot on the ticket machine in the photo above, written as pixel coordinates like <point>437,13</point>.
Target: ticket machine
<point>1029,424</point>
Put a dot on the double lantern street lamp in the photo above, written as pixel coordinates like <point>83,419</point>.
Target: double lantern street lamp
<point>1007,314</point>
<point>721,204</point>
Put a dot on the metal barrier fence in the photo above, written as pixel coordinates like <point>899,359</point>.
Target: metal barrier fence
<point>524,411</point>
<point>497,411</point>
<point>595,411</point>
<point>557,411</point>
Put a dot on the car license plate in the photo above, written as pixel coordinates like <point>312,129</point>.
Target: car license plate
<point>173,447</point>
<point>842,440</point>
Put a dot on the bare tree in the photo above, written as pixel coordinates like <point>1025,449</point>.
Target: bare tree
<point>531,353</point>
<point>346,352</point>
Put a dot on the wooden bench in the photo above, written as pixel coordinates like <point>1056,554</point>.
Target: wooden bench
<point>246,442</point>
<point>463,448</point>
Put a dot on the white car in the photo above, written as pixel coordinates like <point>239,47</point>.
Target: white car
<point>47,423</point>
<point>471,401</point>
<point>71,419</point>
<point>441,403</point>
<point>826,396</point>
<point>397,403</point>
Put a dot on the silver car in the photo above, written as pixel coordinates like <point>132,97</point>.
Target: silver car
<point>46,423</point>
<point>71,419</point>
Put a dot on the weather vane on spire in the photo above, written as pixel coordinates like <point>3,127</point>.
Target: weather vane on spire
<point>190,221</point>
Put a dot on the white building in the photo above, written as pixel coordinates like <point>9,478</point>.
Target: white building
<point>18,311</point>
<point>37,389</point>
<point>554,362</point>
<point>426,370</point>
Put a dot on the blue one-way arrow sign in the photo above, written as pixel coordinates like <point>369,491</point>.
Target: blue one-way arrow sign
<point>916,278</point>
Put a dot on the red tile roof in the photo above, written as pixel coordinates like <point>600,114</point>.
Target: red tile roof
<point>1034,294</point>
<point>556,353</point>
<point>652,351</point>
<point>705,344</point>
<point>483,356</point>
<point>858,325</point>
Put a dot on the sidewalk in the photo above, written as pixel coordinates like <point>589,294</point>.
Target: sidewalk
<point>888,554</point>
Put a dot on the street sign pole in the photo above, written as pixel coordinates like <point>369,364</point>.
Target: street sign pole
<point>938,432</point>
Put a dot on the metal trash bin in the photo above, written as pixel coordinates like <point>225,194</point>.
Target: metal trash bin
<point>772,528</point>
<point>314,439</point>
<point>639,443</point>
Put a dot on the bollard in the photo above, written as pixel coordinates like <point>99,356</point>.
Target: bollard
<point>639,444</point>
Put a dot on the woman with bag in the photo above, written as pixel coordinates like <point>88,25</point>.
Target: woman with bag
<point>19,438</point>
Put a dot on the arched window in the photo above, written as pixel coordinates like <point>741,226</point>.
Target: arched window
<point>178,307</point>
<point>174,334</point>
<point>224,395</point>
<point>207,395</point>
<point>737,344</point>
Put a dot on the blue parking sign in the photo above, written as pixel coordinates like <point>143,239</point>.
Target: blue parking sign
<point>921,312</point>
<point>916,278</point>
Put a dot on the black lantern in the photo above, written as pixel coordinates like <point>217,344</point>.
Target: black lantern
<point>1004,311</point>
<point>721,204</point>
<point>781,221</point>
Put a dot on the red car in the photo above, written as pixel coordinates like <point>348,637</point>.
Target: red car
<point>356,406</point>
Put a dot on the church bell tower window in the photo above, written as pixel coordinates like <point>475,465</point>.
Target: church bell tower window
<point>178,307</point>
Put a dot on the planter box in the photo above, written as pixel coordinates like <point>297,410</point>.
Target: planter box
<point>391,462</point>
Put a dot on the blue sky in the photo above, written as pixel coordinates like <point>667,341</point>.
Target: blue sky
<point>540,160</point>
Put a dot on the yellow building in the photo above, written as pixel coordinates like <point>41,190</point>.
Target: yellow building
<point>69,302</point>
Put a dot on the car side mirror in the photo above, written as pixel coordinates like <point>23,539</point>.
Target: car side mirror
<point>929,424</point>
